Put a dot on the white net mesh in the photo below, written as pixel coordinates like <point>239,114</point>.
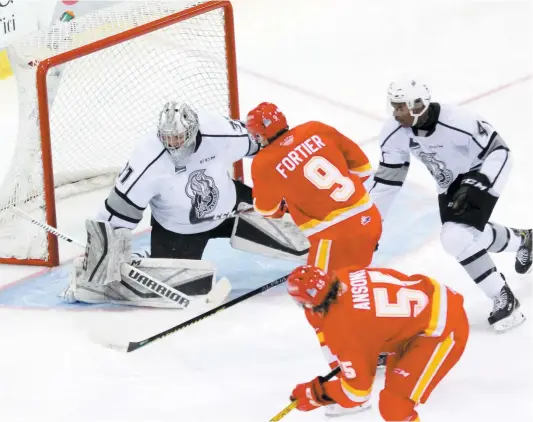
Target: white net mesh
<point>100,103</point>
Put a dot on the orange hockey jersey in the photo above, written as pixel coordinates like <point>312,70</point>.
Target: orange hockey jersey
<point>317,171</point>
<point>379,310</point>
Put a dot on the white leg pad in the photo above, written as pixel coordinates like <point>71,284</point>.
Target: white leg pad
<point>107,248</point>
<point>279,238</point>
<point>171,273</point>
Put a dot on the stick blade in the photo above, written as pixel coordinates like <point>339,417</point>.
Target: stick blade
<point>107,343</point>
<point>216,296</point>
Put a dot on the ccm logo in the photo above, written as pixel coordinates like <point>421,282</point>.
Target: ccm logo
<point>475,183</point>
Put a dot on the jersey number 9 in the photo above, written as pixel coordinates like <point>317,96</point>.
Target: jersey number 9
<point>324,175</point>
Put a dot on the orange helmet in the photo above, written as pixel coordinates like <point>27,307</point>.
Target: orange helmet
<point>309,285</point>
<point>267,121</point>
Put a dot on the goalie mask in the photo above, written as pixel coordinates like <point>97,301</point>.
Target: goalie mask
<point>409,99</point>
<point>177,130</point>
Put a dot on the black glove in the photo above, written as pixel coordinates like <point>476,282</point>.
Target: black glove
<point>284,207</point>
<point>472,193</point>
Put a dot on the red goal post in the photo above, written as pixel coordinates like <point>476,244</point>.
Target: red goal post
<point>100,81</point>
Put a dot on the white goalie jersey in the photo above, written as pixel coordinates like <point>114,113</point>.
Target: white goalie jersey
<point>175,194</point>
<point>459,142</point>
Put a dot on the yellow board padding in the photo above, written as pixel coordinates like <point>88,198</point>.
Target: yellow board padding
<point>5,67</point>
<point>98,33</point>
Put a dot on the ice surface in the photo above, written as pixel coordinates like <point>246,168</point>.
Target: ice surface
<point>329,61</point>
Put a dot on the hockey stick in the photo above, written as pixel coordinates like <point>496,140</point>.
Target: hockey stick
<point>134,345</point>
<point>294,403</point>
<point>197,220</point>
<point>218,293</point>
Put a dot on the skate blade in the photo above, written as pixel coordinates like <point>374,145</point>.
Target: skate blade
<point>336,411</point>
<point>510,322</point>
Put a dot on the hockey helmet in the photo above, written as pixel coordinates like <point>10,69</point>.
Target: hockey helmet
<point>414,94</point>
<point>309,285</point>
<point>266,122</point>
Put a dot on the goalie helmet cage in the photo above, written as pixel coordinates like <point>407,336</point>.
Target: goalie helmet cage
<point>89,87</point>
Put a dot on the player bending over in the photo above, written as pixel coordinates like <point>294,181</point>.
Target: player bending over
<point>358,313</point>
<point>470,163</point>
<point>317,173</point>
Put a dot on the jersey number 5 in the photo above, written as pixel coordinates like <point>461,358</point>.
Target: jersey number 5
<point>402,307</point>
<point>324,175</point>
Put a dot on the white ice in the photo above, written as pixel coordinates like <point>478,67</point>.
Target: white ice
<point>329,61</point>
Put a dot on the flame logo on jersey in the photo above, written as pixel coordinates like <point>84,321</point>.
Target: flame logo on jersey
<point>203,193</point>
<point>437,168</point>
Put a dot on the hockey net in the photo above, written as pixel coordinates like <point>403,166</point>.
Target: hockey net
<point>90,87</point>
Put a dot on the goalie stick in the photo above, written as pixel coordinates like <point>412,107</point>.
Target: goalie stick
<point>218,293</point>
<point>134,345</point>
<point>294,403</point>
<point>194,219</point>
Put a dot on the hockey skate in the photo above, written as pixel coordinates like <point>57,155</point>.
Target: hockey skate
<point>505,313</point>
<point>523,255</point>
<point>336,410</point>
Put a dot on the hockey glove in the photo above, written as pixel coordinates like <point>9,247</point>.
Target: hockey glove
<point>472,193</point>
<point>282,209</point>
<point>311,395</point>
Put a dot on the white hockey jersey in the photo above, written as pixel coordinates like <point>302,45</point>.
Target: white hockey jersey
<point>457,142</point>
<point>201,188</point>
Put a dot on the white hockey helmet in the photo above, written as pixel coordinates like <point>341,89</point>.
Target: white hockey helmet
<point>411,92</point>
<point>177,130</point>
